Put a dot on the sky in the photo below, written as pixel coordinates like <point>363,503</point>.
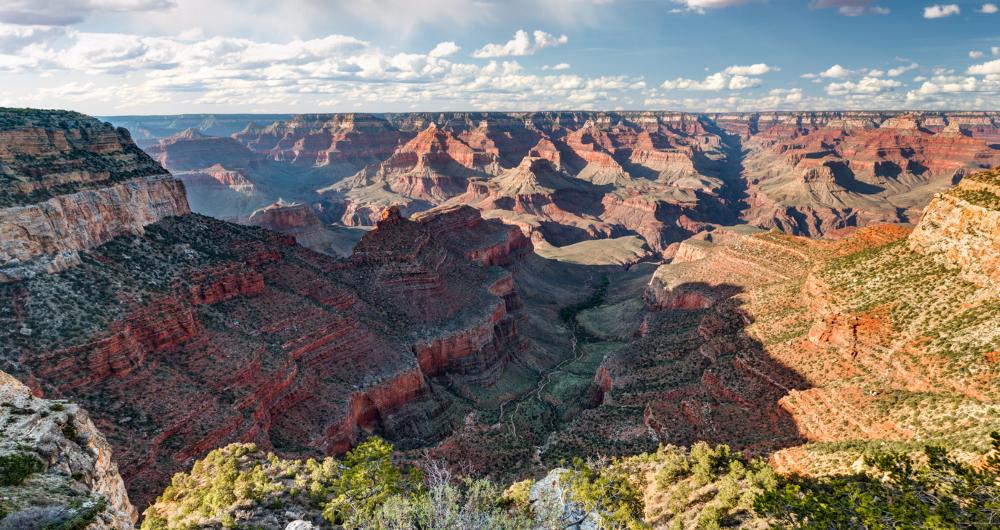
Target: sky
<point>109,57</point>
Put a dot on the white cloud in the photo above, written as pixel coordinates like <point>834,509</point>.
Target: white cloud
<point>835,72</point>
<point>975,54</point>
<point>15,37</point>
<point>753,69</point>
<point>65,12</point>
<point>987,68</point>
<point>336,72</point>
<point>941,85</point>
<point>521,45</point>
<point>867,85</point>
<point>851,8</point>
<point>700,6</point>
<point>995,50</point>
<point>741,82</point>
<point>900,70</point>
<point>735,77</point>
<point>714,82</point>
<point>989,8</point>
<point>560,66</point>
<point>941,11</point>
<point>444,49</point>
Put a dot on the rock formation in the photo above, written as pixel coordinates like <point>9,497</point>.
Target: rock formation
<point>961,229</point>
<point>70,183</point>
<point>663,176</point>
<point>184,333</point>
<point>300,220</point>
<point>56,465</point>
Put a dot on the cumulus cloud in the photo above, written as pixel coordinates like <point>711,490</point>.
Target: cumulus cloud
<point>852,8</point>
<point>753,69</point>
<point>742,82</point>
<point>444,49</point>
<point>867,85</point>
<point>951,90</point>
<point>560,66</point>
<point>975,54</point>
<point>335,71</point>
<point>987,68</point>
<point>941,11</point>
<point>66,12</point>
<point>989,8</point>
<point>835,72</point>
<point>15,37</point>
<point>735,77</point>
<point>521,45</point>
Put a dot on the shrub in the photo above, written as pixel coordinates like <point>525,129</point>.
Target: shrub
<point>933,491</point>
<point>16,467</point>
<point>610,491</point>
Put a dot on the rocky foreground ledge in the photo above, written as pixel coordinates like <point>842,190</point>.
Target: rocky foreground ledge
<point>56,468</point>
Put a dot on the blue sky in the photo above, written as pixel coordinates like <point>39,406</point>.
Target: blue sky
<point>183,56</point>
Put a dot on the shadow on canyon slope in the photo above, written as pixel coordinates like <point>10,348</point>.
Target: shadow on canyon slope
<point>693,373</point>
<point>730,170</point>
<point>627,379</point>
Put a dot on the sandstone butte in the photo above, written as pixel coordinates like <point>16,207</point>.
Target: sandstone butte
<point>663,176</point>
<point>446,334</point>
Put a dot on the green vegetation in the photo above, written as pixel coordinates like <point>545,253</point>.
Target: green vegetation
<point>900,491</point>
<point>16,467</point>
<point>706,487</point>
<point>568,314</point>
<point>988,177</point>
<point>612,491</point>
<point>363,490</point>
<point>703,487</point>
<point>924,301</point>
<point>984,198</point>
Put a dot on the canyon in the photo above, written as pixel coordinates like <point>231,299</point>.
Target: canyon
<point>528,287</point>
<point>569,177</point>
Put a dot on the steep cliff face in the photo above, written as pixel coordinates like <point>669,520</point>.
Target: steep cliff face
<point>961,229</point>
<point>191,150</point>
<point>69,183</point>
<point>217,333</point>
<point>67,469</point>
<point>183,333</point>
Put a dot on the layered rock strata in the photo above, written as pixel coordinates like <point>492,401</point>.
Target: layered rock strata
<point>181,333</point>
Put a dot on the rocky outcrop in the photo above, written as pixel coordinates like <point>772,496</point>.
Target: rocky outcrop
<point>343,143</point>
<point>961,229</point>
<point>70,188</point>
<point>68,467</point>
<point>300,221</point>
<point>856,169</point>
<point>191,150</point>
<point>274,344</point>
<point>47,236</point>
